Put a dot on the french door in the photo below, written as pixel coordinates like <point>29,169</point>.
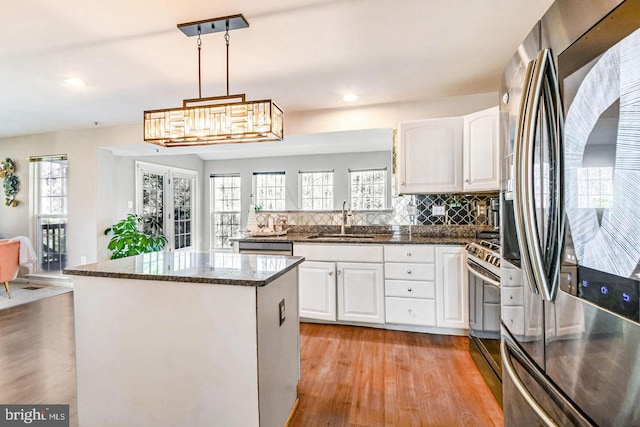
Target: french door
<point>165,199</point>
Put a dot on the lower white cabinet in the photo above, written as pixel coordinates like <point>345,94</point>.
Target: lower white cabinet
<point>417,286</point>
<point>452,290</point>
<point>360,292</point>
<point>333,290</point>
<point>317,282</point>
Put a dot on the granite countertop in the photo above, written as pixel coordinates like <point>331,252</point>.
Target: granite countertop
<point>220,268</point>
<point>378,239</point>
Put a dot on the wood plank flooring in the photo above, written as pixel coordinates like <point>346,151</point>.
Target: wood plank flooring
<point>350,376</point>
<point>361,377</point>
<point>37,354</point>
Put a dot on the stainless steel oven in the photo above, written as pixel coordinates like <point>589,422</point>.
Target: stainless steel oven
<point>483,269</point>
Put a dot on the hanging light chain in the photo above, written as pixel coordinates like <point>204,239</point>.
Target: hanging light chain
<point>226,39</point>
<point>199,72</point>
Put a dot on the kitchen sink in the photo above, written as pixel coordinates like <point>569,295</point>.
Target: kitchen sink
<point>340,236</point>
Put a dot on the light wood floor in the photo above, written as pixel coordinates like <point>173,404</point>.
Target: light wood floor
<point>354,376</point>
<point>350,376</point>
<point>37,353</point>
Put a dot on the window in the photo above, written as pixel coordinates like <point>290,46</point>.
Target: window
<point>316,190</point>
<point>270,190</point>
<point>165,200</point>
<point>368,189</point>
<point>595,187</point>
<point>225,200</point>
<point>49,176</point>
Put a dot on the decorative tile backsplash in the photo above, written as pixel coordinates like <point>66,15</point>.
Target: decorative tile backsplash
<point>416,210</point>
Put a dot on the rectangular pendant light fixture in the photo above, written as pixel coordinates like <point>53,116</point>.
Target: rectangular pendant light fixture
<point>214,120</point>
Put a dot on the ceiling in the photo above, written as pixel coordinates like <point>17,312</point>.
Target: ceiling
<point>303,54</point>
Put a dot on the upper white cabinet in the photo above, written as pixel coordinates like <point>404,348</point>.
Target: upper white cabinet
<point>449,155</point>
<point>480,152</point>
<point>430,156</point>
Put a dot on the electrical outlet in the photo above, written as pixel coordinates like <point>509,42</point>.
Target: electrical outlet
<point>130,204</point>
<point>281,312</point>
<point>83,259</point>
<point>437,210</point>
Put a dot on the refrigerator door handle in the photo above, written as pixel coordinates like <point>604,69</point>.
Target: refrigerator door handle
<point>559,214</point>
<point>522,150</point>
<point>535,406</point>
<point>543,86</point>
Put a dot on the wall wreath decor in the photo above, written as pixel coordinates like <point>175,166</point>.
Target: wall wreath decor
<point>11,182</point>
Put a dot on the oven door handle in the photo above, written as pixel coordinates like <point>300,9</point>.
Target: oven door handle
<point>535,406</point>
<point>481,276</point>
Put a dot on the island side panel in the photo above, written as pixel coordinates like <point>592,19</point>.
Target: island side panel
<point>154,353</point>
<point>278,349</point>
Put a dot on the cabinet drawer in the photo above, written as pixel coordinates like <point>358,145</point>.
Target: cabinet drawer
<point>511,277</point>
<point>411,311</point>
<point>513,296</point>
<point>409,253</point>
<point>409,271</point>
<point>410,289</point>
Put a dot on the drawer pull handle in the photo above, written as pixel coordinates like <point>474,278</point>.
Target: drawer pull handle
<point>408,271</point>
<point>410,312</point>
<point>409,290</point>
<point>408,253</point>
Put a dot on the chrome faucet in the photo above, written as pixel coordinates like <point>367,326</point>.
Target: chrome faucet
<point>344,217</point>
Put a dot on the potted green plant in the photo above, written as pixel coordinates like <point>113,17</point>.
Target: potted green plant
<point>129,240</point>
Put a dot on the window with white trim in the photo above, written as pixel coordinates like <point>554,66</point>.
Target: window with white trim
<point>368,189</point>
<point>270,190</point>
<point>316,190</point>
<point>49,178</point>
<point>225,201</point>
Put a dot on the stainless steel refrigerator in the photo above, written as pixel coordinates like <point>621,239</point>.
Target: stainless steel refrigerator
<point>570,211</point>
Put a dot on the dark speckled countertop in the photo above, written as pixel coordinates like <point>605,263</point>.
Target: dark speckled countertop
<point>379,239</point>
<point>196,267</point>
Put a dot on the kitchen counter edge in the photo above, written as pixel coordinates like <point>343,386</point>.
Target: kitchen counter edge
<point>201,272</point>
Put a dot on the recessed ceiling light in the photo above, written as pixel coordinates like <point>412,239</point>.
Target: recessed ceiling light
<point>350,97</point>
<point>75,82</point>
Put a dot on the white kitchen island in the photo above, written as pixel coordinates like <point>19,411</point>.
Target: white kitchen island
<point>187,339</point>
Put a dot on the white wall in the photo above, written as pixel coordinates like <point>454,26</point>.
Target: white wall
<point>385,115</point>
<point>81,149</point>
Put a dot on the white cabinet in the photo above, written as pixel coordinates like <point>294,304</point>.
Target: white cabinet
<point>430,156</point>
<point>349,291</point>
<point>317,282</point>
<point>449,155</point>
<point>360,292</point>
<point>452,290</point>
<point>480,151</point>
<point>409,285</point>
